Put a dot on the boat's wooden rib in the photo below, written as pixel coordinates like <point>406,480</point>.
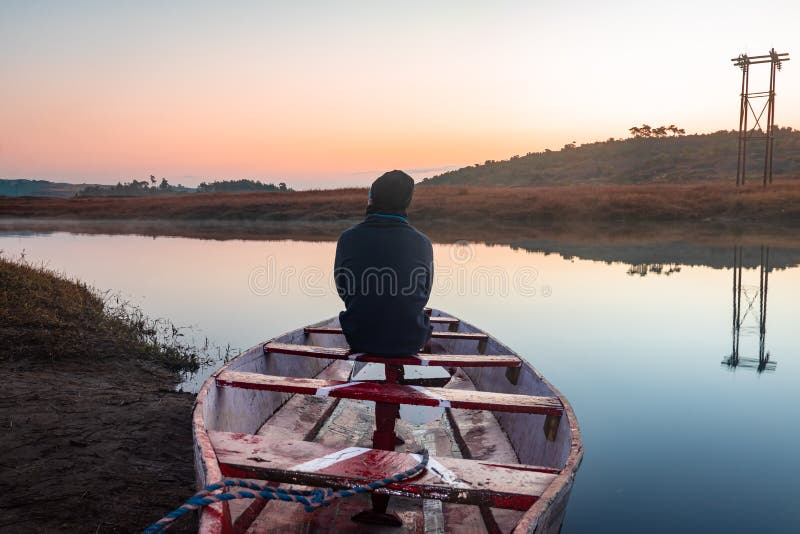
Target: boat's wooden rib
<point>395,393</point>
<point>301,462</point>
<point>480,437</point>
<point>424,359</point>
<point>468,336</point>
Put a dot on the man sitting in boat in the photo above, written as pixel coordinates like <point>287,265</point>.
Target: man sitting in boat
<point>384,274</point>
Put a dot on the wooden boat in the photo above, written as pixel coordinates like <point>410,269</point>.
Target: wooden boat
<point>300,410</point>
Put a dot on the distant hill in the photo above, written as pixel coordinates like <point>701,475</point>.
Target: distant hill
<point>134,188</point>
<point>39,188</point>
<point>681,159</point>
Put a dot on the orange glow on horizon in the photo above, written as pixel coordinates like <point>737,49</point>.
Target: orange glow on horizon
<point>331,96</point>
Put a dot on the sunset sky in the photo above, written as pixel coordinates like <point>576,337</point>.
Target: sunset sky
<point>322,94</point>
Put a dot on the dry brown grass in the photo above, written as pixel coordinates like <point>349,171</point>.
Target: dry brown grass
<point>557,206</point>
<point>45,317</point>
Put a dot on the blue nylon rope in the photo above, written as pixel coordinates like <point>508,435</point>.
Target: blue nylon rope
<point>310,499</point>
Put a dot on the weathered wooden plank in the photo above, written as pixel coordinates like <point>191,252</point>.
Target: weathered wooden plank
<point>394,393</point>
<point>302,416</point>
<point>480,437</point>
<point>440,360</point>
<point>313,464</point>
<point>444,320</point>
<point>288,518</point>
<point>473,336</point>
<point>335,353</point>
<point>299,419</point>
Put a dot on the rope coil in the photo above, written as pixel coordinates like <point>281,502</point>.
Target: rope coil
<point>310,499</point>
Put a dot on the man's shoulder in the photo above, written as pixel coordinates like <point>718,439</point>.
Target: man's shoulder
<point>419,235</point>
<point>349,232</point>
<point>364,229</point>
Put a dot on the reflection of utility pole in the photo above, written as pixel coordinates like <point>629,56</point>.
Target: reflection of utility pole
<point>740,316</point>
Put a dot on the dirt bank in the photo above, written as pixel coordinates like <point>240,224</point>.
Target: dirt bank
<point>93,436</point>
<point>103,448</point>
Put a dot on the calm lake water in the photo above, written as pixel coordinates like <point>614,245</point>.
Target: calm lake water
<point>675,440</point>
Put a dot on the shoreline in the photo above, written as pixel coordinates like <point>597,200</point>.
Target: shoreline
<point>553,207</point>
<point>95,438</point>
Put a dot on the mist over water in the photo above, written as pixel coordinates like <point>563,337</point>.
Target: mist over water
<point>635,338</point>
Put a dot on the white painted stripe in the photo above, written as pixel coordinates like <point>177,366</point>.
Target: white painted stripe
<point>355,355</point>
<point>443,403</point>
<point>324,392</point>
<point>447,476</point>
<point>328,460</point>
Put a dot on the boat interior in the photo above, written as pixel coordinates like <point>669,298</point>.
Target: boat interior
<point>303,411</point>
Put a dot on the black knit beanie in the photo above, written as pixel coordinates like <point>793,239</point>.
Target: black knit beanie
<point>391,194</point>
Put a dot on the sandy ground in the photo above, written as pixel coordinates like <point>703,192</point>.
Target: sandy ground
<point>98,448</point>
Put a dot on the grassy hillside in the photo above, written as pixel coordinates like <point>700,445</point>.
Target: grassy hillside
<point>676,160</point>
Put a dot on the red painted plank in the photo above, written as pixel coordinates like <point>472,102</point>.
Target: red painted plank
<point>444,320</point>
<point>332,353</point>
<point>313,464</point>
<point>395,393</point>
<point>440,360</point>
<point>476,336</point>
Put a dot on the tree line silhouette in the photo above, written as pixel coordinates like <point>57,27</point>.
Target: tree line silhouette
<point>235,186</point>
<point>134,188</point>
<point>152,187</point>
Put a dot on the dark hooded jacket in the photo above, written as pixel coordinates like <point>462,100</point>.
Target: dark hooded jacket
<point>384,273</point>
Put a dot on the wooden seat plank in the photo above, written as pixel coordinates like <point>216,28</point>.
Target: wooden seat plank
<point>440,360</point>
<point>395,393</point>
<point>444,320</point>
<point>312,464</point>
<point>474,336</point>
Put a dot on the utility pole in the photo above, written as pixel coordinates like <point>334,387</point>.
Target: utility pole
<point>759,132</point>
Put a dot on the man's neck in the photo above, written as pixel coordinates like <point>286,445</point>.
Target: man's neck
<point>388,216</point>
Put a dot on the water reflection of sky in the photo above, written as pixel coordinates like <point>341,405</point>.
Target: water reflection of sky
<point>674,441</point>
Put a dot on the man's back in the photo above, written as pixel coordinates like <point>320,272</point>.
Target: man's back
<point>384,274</point>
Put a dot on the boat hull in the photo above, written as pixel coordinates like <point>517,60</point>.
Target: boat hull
<point>557,444</point>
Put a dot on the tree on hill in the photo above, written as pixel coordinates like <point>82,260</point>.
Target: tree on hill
<point>675,131</point>
<point>645,130</point>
